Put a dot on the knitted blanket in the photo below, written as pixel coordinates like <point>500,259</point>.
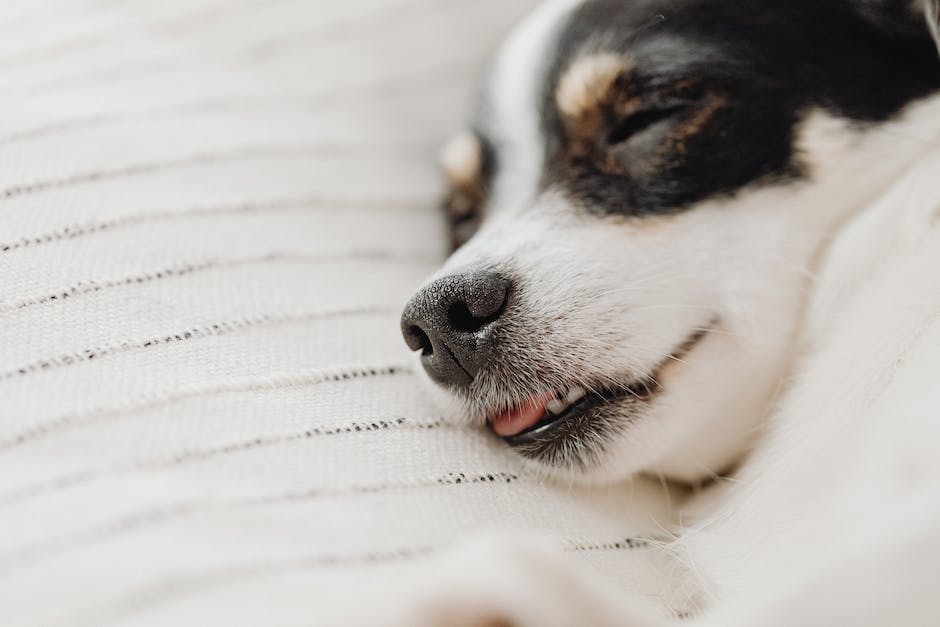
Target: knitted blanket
<point>211,213</point>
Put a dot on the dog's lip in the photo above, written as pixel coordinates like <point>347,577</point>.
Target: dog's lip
<point>548,425</point>
<point>532,423</point>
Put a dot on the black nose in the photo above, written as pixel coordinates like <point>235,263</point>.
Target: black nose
<point>451,322</point>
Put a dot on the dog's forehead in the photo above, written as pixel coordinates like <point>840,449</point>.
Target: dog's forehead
<point>561,32</point>
<point>557,63</point>
<point>666,36</point>
<point>748,39</point>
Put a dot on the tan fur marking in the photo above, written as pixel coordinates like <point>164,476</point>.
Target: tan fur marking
<point>462,160</point>
<point>586,85</point>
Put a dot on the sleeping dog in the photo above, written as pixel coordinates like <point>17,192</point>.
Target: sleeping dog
<point>701,239</point>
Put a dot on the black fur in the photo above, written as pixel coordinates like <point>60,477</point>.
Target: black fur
<point>766,63</point>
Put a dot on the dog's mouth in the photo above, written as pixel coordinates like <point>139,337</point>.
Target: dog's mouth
<point>539,424</point>
<point>541,415</point>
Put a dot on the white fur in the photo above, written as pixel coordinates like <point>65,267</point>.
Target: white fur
<point>746,263</point>
<point>833,520</point>
<point>841,497</point>
<point>512,99</point>
<point>832,286</point>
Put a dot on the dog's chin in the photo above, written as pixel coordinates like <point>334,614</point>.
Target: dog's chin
<point>569,432</point>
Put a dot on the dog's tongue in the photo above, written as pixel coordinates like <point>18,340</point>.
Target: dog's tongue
<point>515,421</point>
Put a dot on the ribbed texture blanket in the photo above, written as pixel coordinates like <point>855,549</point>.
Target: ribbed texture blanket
<point>211,214</point>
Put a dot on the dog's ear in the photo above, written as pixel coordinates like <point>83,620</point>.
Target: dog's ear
<point>933,19</point>
<point>903,17</point>
<point>888,10</point>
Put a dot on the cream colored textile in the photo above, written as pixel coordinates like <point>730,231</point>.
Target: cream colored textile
<point>210,215</point>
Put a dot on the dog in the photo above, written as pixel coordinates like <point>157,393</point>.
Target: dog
<point>701,239</point>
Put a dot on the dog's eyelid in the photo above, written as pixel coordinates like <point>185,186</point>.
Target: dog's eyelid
<point>644,119</point>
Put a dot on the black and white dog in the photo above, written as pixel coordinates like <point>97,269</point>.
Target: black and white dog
<point>691,233</point>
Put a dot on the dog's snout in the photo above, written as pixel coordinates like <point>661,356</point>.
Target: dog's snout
<point>450,322</point>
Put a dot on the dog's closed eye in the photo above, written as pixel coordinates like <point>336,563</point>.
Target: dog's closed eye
<point>614,121</point>
<point>643,120</point>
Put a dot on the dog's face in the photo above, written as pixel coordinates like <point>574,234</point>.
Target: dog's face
<point>637,212</point>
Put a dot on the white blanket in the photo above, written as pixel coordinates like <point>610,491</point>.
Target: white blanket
<point>210,215</point>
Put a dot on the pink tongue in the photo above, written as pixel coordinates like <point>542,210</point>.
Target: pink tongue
<point>514,422</point>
